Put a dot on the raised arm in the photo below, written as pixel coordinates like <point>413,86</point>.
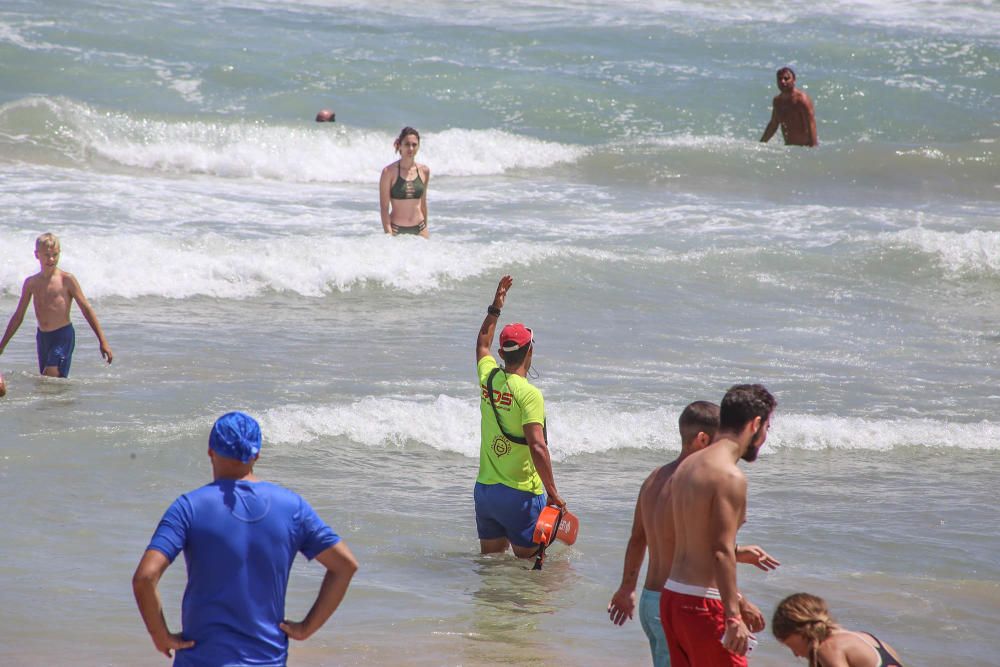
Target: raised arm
<point>18,316</point>
<point>147,576</point>
<point>384,187</point>
<point>485,338</point>
<point>622,605</point>
<point>88,312</point>
<point>772,126</point>
<point>340,567</point>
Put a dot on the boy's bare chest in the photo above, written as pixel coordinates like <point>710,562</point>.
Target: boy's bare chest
<point>52,295</point>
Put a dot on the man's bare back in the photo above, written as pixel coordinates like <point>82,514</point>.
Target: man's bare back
<point>657,523</point>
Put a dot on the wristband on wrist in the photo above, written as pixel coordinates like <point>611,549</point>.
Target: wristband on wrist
<point>493,310</point>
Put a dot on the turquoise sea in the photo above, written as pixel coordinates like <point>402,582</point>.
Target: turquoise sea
<point>604,153</point>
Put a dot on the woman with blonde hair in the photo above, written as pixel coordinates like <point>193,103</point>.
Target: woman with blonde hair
<point>803,623</point>
<point>403,188</point>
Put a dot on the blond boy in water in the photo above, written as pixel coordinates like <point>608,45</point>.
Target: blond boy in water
<point>54,291</point>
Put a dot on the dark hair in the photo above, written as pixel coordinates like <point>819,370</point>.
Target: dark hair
<point>780,72</point>
<point>698,417</point>
<point>402,135</point>
<point>515,357</point>
<point>744,403</point>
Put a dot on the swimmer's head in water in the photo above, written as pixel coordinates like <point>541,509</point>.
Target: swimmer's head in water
<point>408,138</point>
<point>326,116</point>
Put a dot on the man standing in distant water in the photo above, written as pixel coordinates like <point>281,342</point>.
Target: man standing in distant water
<point>793,110</point>
<point>700,603</point>
<point>514,463</point>
<point>652,527</point>
<point>239,535</point>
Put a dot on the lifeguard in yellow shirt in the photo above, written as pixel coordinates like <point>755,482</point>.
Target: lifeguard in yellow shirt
<point>515,479</point>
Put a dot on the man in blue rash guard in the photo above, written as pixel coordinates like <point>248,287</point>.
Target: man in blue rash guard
<point>239,536</point>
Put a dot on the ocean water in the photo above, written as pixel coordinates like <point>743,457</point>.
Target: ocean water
<point>606,155</point>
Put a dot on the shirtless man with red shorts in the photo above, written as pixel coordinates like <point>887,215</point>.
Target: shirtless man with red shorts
<point>700,605</point>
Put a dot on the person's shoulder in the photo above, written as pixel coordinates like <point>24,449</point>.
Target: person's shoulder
<point>485,365</point>
<point>650,480</point>
<point>657,481</point>
<point>733,477</point>
<point>278,491</point>
<point>836,645</point>
<point>522,386</point>
<point>64,277</point>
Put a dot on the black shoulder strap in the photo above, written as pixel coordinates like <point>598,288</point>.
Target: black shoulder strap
<point>489,390</point>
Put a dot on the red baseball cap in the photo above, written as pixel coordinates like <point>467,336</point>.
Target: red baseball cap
<point>515,336</point>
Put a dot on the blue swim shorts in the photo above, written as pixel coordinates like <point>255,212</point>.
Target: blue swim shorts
<point>55,348</point>
<point>649,618</point>
<point>505,512</point>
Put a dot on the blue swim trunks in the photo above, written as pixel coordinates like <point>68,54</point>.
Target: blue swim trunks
<point>649,618</point>
<point>505,512</point>
<point>55,348</point>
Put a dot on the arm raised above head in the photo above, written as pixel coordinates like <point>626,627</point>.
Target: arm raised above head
<point>486,331</point>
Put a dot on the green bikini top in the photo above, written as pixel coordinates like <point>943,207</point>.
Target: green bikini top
<point>403,189</point>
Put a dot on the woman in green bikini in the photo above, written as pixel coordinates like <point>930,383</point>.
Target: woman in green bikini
<point>403,189</point>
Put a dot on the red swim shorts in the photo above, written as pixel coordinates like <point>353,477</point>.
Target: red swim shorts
<point>694,626</point>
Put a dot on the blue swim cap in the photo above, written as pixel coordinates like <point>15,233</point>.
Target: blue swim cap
<point>235,435</point>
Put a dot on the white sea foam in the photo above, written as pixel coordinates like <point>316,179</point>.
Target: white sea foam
<point>306,153</point>
<point>975,253</point>
<point>452,424</point>
<point>220,266</point>
<point>944,16</point>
